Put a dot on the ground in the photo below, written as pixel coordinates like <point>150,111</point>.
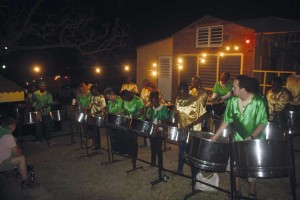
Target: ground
<point>65,175</point>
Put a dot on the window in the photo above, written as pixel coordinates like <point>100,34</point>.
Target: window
<point>211,36</point>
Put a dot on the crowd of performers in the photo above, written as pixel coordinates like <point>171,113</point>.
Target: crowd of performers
<point>239,103</point>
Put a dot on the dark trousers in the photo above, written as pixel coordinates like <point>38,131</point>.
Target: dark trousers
<point>93,132</point>
<point>156,151</point>
<point>181,148</point>
<point>43,128</point>
<point>132,144</point>
<point>116,139</point>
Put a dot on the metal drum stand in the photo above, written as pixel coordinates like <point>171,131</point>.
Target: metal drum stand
<point>110,153</point>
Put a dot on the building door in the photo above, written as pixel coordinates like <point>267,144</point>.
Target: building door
<point>164,82</point>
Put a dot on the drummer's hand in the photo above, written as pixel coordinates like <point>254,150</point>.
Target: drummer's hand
<point>214,138</point>
<point>219,100</point>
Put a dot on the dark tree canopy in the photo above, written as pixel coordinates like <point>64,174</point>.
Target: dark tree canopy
<point>41,25</point>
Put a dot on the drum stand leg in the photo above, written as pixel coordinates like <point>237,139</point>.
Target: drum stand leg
<point>293,170</point>
<point>110,153</point>
<point>165,146</point>
<point>145,143</point>
<point>71,134</point>
<point>161,177</point>
<point>134,166</point>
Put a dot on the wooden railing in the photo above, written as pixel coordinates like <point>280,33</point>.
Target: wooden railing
<point>264,77</point>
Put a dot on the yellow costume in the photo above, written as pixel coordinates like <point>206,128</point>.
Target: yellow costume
<point>189,110</point>
<point>132,87</point>
<point>293,85</point>
<point>277,101</point>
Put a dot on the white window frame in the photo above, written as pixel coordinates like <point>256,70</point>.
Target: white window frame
<point>207,39</point>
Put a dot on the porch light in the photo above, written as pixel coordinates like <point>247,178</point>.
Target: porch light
<point>36,69</point>
<point>236,48</point>
<point>227,48</point>
<point>221,54</point>
<point>180,67</point>
<point>97,70</point>
<point>180,61</point>
<point>203,61</point>
<point>154,65</point>
<point>247,41</point>
<point>126,68</point>
<point>154,73</point>
<point>204,55</point>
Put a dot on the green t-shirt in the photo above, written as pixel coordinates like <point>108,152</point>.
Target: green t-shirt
<point>160,115</point>
<point>42,100</point>
<point>84,101</point>
<point>3,131</point>
<point>222,90</point>
<point>245,122</point>
<point>134,106</point>
<point>115,106</point>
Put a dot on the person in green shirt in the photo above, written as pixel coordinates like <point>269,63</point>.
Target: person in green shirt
<point>157,114</point>
<point>134,107</point>
<point>42,101</point>
<point>247,112</point>
<point>115,106</point>
<point>84,99</point>
<point>222,91</point>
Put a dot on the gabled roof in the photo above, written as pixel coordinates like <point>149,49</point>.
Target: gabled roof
<point>271,24</point>
<point>9,86</point>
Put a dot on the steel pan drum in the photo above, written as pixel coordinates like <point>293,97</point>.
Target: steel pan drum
<point>172,116</point>
<point>205,154</point>
<point>57,115</point>
<point>291,122</point>
<point>143,127</point>
<point>118,121</point>
<point>174,134</point>
<point>97,120</point>
<point>32,117</point>
<point>213,125</point>
<point>274,132</point>
<point>261,159</point>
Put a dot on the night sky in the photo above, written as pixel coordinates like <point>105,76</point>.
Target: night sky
<point>150,20</point>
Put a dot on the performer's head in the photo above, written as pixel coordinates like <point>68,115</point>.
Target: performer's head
<point>155,98</point>
<point>183,90</point>
<point>109,93</point>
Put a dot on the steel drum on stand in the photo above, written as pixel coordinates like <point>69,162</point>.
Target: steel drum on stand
<point>97,120</point>
<point>57,115</point>
<point>291,122</point>
<point>32,117</point>
<point>261,159</point>
<point>212,126</point>
<point>143,128</point>
<point>273,131</point>
<point>203,153</point>
<point>118,121</point>
<point>174,134</point>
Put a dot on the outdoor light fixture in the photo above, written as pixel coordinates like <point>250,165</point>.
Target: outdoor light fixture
<point>247,41</point>
<point>221,54</point>
<point>57,77</point>
<point>126,68</point>
<point>236,48</point>
<point>36,69</point>
<point>180,61</point>
<point>180,67</point>
<point>5,48</point>
<point>3,66</point>
<point>203,60</point>
<point>227,48</point>
<point>154,65</point>
<point>97,70</point>
<point>154,73</point>
<point>204,55</point>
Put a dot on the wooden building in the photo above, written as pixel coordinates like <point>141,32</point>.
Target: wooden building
<point>210,46</point>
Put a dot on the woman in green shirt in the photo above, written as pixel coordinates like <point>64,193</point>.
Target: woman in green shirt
<point>157,114</point>
<point>115,106</point>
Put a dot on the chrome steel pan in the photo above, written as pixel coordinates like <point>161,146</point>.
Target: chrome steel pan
<point>97,120</point>
<point>57,115</point>
<point>143,128</point>
<point>274,132</point>
<point>214,124</point>
<point>291,122</point>
<point>174,134</point>
<point>118,121</point>
<point>172,116</point>
<point>32,117</point>
<point>261,159</point>
<point>205,154</point>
